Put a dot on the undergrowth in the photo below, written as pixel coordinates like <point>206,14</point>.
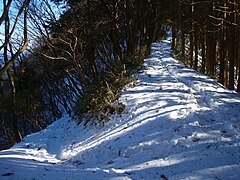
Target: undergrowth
<point>100,98</point>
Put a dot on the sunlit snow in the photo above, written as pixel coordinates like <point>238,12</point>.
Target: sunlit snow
<point>178,124</point>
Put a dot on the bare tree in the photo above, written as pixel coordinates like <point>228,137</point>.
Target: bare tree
<point>8,46</point>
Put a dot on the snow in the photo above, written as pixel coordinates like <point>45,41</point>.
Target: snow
<point>178,124</point>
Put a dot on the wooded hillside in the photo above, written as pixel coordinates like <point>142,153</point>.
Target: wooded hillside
<point>82,53</point>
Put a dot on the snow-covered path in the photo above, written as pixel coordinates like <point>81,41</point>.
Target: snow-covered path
<point>178,124</point>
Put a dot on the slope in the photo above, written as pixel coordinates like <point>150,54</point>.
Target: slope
<point>178,124</point>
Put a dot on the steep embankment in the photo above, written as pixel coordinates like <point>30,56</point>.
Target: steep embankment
<point>178,124</point>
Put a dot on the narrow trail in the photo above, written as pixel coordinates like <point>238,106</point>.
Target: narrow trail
<point>200,90</point>
<point>185,77</point>
<point>178,124</point>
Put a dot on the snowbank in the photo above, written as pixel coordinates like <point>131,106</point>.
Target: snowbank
<point>178,124</point>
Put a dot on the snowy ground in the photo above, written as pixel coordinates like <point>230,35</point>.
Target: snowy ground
<point>178,124</point>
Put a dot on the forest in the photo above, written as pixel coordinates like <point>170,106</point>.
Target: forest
<point>74,57</point>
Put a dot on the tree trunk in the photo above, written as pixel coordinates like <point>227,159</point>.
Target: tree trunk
<point>191,48</point>
<point>203,44</point>
<point>174,37</point>
<point>13,116</point>
<point>211,53</point>
<point>182,27</point>
<point>183,46</point>
<point>232,44</point>
<point>130,30</point>
<point>222,54</point>
<point>231,56</point>
<point>195,48</point>
<point>116,34</point>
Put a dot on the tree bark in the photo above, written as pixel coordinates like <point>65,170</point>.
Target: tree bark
<point>174,37</point>
<point>203,45</point>
<point>232,44</point>
<point>211,54</point>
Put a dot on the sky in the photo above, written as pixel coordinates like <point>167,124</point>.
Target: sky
<point>1,27</point>
<point>12,14</point>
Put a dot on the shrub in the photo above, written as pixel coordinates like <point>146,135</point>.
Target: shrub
<point>99,99</point>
